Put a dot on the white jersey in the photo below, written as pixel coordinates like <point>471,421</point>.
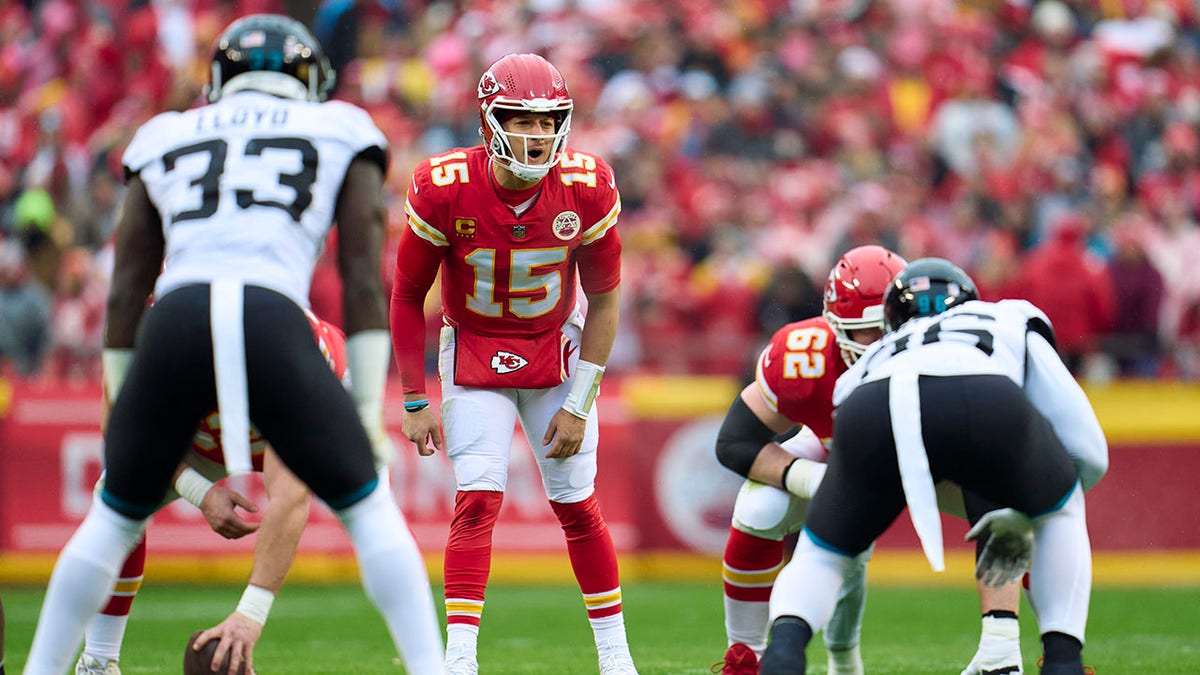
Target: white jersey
<point>247,187</point>
<point>1008,338</point>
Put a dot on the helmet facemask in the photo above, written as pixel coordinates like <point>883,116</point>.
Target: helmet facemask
<point>872,317</point>
<point>501,142</point>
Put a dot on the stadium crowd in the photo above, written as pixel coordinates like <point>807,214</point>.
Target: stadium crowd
<point>1049,147</point>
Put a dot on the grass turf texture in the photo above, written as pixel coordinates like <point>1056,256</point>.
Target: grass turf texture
<point>674,629</point>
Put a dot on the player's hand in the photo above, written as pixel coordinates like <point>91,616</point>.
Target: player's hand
<point>566,432</point>
<point>220,510</point>
<point>1009,548</point>
<point>237,634</point>
<point>424,429</point>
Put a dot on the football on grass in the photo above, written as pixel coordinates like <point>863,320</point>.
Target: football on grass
<point>200,662</point>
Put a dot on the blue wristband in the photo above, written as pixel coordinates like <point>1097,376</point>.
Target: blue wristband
<point>416,406</point>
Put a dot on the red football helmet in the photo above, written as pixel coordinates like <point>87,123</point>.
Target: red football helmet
<point>854,294</point>
<point>523,83</point>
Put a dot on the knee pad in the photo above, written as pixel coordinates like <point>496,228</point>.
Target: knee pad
<point>767,512</point>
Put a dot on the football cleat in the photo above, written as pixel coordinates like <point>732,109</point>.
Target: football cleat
<point>461,661</point>
<point>615,658</point>
<point>999,650</point>
<point>89,665</point>
<point>1087,670</point>
<point>739,659</point>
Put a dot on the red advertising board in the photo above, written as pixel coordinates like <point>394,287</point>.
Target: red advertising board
<point>660,486</point>
<point>51,455</point>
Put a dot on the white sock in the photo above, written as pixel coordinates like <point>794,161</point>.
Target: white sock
<point>105,633</point>
<point>81,583</point>
<point>1060,577</point>
<point>809,585</point>
<point>609,629</point>
<point>999,630</point>
<point>462,635</point>
<point>845,626</point>
<point>746,622</point>
<point>394,578</point>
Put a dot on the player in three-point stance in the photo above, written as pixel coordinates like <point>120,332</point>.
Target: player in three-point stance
<point>794,385</point>
<point>971,392</point>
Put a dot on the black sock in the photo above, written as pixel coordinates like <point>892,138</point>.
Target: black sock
<point>1000,614</point>
<point>1061,649</point>
<point>790,636</point>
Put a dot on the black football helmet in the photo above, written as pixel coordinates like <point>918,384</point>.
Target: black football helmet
<point>270,53</point>
<point>926,287</point>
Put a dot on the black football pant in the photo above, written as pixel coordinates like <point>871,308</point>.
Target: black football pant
<point>979,432</point>
<point>295,400</point>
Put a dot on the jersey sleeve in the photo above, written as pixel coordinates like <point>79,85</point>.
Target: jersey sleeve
<point>418,257</point>
<point>1035,319</point>
<point>600,255</point>
<point>147,143</point>
<point>360,132</point>
<point>1050,387</point>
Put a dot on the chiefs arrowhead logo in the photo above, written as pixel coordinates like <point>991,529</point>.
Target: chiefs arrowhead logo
<point>507,362</point>
<point>488,85</point>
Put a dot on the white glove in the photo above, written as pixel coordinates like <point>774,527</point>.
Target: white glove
<point>1007,554</point>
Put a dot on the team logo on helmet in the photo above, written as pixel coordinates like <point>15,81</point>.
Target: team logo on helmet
<point>488,85</point>
<point>566,225</point>
<point>252,39</point>
<point>507,362</point>
<point>831,293</point>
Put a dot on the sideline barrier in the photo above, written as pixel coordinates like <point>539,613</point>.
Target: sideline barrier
<point>665,496</point>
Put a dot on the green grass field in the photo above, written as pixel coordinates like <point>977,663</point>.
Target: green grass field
<point>674,629</point>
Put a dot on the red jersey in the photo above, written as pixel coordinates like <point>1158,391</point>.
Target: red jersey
<point>505,271</point>
<point>207,441</point>
<point>796,373</point>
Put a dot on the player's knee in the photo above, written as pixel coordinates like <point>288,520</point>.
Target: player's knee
<point>480,472</point>
<point>765,512</point>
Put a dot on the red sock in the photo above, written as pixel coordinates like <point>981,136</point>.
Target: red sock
<point>593,556</point>
<point>469,554</point>
<point>750,566</point>
<point>128,581</point>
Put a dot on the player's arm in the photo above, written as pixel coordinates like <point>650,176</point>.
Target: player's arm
<point>1055,393</point>
<point>138,258</point>
<point>361,217</point>
<point>418,257</point>
<point>274,552</point>
<point>218,503</point>
<point>599,332</point>
<point>746,446</point>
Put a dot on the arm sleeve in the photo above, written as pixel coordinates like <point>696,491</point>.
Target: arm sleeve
<point>1056,394</point>
<point>416,266</point>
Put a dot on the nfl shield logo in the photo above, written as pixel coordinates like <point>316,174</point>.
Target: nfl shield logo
<point>518,231</point>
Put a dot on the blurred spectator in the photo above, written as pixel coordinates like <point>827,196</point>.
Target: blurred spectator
<point>41,233</point>
<point>24,313</point>
<point>790,296</point>
<point>77,318</point>
<point>1133,341</point>
<point>1072,286</point>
